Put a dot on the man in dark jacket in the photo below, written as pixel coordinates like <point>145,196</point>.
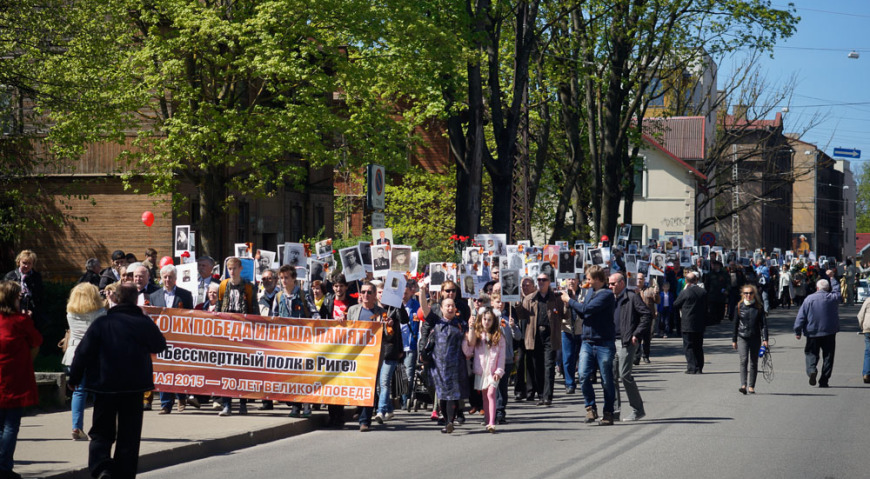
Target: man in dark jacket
<point>115,355</point>
<point>112,274</point>
<point>598,346</point>
<point>171,296</point>
<point>716,284</point>
<point>545,312</point>
<point>632,317</point>
<point>92,272</point>
<point>819,320</point>
<point>692,307</point>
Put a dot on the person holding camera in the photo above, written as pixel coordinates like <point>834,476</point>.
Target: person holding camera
<point>31,284</point>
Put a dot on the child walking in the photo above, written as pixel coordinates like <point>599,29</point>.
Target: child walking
<point>486,346</point>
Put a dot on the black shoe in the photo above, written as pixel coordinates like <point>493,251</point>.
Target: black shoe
<point>541,403</point>
<point>530,397</point>
<point>460,420</point>
<point>813,379</point>
<point>570,390</point>
<point>501,420</point>
<point>548,402</point>
<point>823,385</point>
<point>691,371</point>
<point>520,397</point>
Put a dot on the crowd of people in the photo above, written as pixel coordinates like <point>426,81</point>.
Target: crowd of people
<point>591,327</point>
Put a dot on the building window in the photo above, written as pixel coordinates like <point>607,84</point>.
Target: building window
<point>656,93</point>
<point>639,177</point>
<point>319,219</point>
<point>243,221</point>
<point>7,111</point>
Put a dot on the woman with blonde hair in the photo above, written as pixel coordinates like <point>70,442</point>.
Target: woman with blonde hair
<point>84,306</point>
<point>750,332</point>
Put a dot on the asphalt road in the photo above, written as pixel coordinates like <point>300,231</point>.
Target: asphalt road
<point>696,426</point>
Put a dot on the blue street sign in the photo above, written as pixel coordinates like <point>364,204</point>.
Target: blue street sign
<point>847,153</point>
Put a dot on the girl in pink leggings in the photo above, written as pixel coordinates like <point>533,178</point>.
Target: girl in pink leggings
<point>484,343</point>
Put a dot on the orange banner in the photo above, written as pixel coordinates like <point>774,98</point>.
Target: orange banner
<point>255,357</point>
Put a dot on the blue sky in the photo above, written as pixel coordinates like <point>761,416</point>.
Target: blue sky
<point>828,83</point>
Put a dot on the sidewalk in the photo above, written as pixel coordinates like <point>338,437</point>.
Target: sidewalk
<point>46,449</point>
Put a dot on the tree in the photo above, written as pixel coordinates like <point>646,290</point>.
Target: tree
<point>609,54</point>
<point>862,203</point>
<point>237,98</point>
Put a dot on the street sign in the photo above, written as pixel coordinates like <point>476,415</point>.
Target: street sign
<point>708,238</point>
<point>852,153</point>
<point>378,220</point>
<point>376,191</point>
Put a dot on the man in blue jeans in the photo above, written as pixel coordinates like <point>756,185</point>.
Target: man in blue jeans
<point>599,345</point>
<point>571,339</point>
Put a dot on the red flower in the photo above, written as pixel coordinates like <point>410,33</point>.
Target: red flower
<point>215,276</point>
<point>454,237</point>
<point>185,254</point>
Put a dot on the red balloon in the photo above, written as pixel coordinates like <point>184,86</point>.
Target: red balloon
<point>165,260</point>
<point>148,218</point>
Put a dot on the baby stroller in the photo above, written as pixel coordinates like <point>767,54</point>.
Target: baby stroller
<point>422,393</point>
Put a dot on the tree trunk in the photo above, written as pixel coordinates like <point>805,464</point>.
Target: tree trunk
<point>212,192</point>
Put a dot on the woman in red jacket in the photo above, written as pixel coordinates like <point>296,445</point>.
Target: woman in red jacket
<point>19,343</point>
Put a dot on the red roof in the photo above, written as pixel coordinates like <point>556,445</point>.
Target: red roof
<point>732,121</point>
<point>681,135</point>
<point>664,150</point>
<point>861,242</point>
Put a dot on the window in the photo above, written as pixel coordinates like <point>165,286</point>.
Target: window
<point>639,177</point>
<point>7,111</point>
<point>656,93</point>
<point>243,220</point>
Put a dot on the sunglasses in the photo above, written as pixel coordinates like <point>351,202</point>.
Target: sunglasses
<point>449,290</point>
<point>542,280</point>
<point>747,293</point>
<point>366,292</point>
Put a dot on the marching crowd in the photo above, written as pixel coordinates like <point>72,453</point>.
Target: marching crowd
<point>593,327</point>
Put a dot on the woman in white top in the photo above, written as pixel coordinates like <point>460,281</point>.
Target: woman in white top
<point>786,288</point>
<point>84,306</point>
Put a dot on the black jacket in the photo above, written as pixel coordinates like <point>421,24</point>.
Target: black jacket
<point>115,353</point>
<point>34,284</point>
<point>90,277</point>
<point>692,307</point>
<point>751,323</point>
<point>329,304</point>
<point>183,299</point>
<point>393,348</point>
<point>107,277</point>
<point>634,316</point>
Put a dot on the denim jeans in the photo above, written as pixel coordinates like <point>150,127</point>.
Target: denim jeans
<point>600,354</point>
<point>409,363</point>
<point>570,357</point>
<point>385,379</point>
<point>79,401</point>
<point>866,354</point>
<point>502,398</point>
<point>10,421</point>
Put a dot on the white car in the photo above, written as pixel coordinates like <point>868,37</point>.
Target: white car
<point>863,290</point>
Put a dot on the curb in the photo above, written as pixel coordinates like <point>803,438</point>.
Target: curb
<point>206,448</point>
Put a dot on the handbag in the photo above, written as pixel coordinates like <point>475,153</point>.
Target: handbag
<point>63,344</point>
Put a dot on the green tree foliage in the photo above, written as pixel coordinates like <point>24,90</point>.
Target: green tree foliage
<point>862,201</point>
<point>235,97</point>
<point>419,209</point>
